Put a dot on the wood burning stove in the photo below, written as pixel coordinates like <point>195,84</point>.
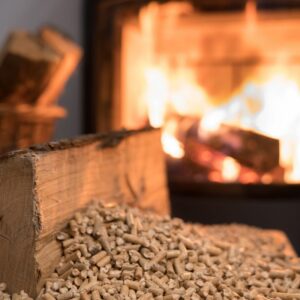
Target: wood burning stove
<point>223,80</point>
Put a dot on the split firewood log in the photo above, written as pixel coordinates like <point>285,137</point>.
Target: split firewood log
<point>26,65</point>
<point>71,54</point>
<point>35,68</point>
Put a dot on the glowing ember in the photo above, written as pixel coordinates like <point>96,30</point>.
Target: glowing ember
<point>172,146</point>
<point>230,170</point>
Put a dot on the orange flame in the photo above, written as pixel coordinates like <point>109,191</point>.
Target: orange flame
<point>168,83</point>
<point>276,114</point>
<point>167,95</point>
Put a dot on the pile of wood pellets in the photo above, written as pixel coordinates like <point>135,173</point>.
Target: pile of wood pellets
<point>118,252</point>
<point>5,296</point>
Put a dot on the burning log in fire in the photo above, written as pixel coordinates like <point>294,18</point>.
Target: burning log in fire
<point>250,148</point>
<point>224,168</point>
<point>229,154</point>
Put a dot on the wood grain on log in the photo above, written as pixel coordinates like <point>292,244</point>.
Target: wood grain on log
<point>42,187</point>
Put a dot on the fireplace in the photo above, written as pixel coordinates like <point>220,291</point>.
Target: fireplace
<point>222,79</point>
<point>224,86</point>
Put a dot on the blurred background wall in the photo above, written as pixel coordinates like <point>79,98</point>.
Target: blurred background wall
<point>66,15</point>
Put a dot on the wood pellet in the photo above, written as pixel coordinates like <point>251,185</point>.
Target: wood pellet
<point>118,252</point>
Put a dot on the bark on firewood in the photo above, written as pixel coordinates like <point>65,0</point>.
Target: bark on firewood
<point>41,188</point>
<point>25,68</point>
<point>71,54</point>
<point>249,148</point>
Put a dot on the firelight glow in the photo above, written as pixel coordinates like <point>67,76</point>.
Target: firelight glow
<point>271,108</point>
<point>171,145</point>
<point>203,72</point>
<point>165,96</point>
<point>156,96</point>
<point>230,169</point>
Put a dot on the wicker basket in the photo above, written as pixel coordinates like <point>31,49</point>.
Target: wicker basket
<point>24,125</point>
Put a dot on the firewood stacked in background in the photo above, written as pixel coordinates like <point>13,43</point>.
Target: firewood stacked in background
<point>34,69</point>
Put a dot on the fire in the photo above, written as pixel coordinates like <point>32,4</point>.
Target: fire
<point>172,146</point>
<point>156,98</point>
<point>270,108</point>
<point>167,95</point>
<point>170,143</point>
<point>233,75</point>
<point>212,121</point>
<point>230,170</point>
